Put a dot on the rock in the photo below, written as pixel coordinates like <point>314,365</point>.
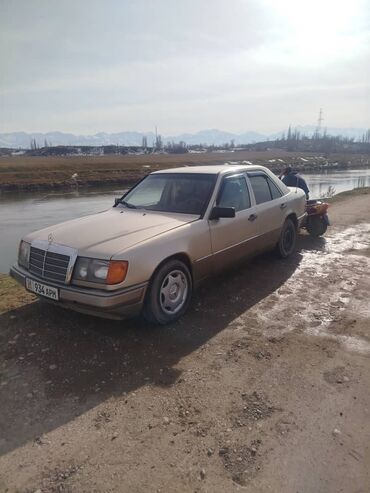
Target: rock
<point>253,451</point>
<point>336,431</point>
<point>345,379</point>
<point>37,491</point>
<point>166,420</point>
<point>115,435</point>
<point>210,452</point>
<point>52,367</point>
<point>202,473</point>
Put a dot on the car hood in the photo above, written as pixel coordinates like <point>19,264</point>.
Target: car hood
<point>104,234</point>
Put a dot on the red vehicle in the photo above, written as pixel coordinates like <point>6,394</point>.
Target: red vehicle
<point>317,221</point>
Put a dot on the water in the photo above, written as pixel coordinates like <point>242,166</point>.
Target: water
<point>340,180</point>
<point>22,213</point>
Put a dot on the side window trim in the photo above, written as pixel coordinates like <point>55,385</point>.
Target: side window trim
<point>251,191</point>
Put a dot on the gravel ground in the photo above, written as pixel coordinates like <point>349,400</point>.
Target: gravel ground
<point>262,387</point>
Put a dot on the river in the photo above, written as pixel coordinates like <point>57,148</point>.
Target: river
<point>22,213</point>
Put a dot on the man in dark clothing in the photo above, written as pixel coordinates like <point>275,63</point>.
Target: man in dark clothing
<point>291,178</point>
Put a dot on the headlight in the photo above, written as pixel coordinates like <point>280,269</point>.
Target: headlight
<point>24,254</point>
<point>100,271</point>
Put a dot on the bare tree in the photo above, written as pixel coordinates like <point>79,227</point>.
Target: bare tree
<point>158,142</point>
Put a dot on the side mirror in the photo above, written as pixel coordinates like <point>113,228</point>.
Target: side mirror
<point>117,201</point>
<point>218,212</point>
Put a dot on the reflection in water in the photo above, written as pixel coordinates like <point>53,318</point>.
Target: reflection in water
<point>24,212</point>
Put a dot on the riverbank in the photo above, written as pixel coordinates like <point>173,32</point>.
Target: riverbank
<point>262,385</point>
<point>19,173</point>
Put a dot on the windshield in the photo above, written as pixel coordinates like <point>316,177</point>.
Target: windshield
<point>186,193</point>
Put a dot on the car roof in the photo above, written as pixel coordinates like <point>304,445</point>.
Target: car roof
<point>212,169</point>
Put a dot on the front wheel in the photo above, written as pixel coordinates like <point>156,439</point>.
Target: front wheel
<point>316,226</point>
<point>169,293</point>
<point>287,240</point>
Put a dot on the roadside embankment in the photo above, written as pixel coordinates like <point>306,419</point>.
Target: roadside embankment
<point>20,173</point>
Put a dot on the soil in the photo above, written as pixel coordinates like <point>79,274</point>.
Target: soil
<point>262,387</point>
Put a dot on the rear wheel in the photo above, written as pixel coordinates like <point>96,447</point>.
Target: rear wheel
<point>316,226</point>
<point>169,293</point>
<point>287,240</point>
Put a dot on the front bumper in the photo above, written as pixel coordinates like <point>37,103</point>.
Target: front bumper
<point>118,304</point>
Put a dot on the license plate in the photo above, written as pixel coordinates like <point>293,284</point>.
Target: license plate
<point>42,289</point>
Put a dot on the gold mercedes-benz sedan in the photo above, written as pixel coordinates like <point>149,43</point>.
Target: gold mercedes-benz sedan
<point>169,232</point>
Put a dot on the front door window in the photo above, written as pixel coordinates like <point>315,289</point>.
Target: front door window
<point>234,193</point>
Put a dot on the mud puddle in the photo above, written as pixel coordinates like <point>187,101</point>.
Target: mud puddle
<point>329,280</point>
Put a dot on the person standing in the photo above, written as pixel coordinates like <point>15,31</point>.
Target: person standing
<point>291,178</point>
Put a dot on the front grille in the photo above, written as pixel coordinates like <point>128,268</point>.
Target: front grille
<point>49,265</point>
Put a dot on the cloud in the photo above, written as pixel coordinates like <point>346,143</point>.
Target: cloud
<point>90,65</point>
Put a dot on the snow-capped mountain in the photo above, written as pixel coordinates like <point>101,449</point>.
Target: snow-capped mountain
<point>208,137</point>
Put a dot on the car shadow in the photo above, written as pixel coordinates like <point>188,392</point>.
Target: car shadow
<point>55,364</point>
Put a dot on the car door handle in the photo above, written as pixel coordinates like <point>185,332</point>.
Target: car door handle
<point>282,206</point>
<point>252,217</point>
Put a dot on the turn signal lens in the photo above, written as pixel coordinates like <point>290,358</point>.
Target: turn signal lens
<point>117,271</point>
<point>24,254</point>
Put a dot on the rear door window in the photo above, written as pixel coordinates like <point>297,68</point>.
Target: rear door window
<point>260,188</point>
<point>264,188</point>
<point>275,192</point>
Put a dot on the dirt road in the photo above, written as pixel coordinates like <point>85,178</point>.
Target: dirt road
<point>262,387</point>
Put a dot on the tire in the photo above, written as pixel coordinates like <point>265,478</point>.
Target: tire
<point>169,293</point>
<point>287,240</point>
<point>316,226</point>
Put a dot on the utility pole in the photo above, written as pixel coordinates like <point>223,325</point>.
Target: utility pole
<point>319,122</point>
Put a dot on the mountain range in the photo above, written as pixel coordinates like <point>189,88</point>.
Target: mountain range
<point>208,137</point>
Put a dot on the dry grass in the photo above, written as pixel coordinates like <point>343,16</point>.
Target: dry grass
<point>19,172</point>
<point>12,295</point>
<point>350,193</point>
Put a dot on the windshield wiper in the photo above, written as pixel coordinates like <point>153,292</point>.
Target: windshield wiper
<point>127,204</point>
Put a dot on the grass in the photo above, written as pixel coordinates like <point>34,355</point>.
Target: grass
<point>12,295</point>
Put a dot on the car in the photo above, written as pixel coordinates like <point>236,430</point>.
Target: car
<point>173,229</point>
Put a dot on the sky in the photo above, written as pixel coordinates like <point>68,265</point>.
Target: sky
<point>87,66</point>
